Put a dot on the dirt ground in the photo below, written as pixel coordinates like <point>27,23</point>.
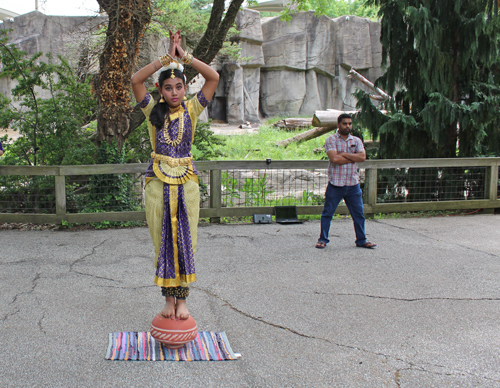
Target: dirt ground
<point>227,130</point>
<point>10,132</point>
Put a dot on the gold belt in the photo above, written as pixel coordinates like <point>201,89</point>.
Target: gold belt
<point>172,162</point>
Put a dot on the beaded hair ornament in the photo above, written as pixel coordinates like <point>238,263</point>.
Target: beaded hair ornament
<point>173,66</point>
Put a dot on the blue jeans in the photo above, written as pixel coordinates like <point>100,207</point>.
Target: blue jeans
<point>353,197</point>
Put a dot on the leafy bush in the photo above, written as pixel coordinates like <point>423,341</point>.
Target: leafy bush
<point>50,128</point>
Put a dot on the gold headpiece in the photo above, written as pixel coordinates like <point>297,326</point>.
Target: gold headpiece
<point>172,75</point>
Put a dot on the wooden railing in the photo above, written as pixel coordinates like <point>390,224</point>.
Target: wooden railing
<point>216,208</point>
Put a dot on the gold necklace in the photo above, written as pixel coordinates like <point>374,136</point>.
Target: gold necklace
<point>166,123</point>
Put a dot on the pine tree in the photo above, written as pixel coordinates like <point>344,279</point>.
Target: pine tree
<point>442,64</point>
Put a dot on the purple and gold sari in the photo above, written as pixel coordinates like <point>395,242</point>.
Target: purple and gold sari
<point>172,194</point>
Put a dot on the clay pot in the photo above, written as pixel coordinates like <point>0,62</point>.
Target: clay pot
<point>173,333</point>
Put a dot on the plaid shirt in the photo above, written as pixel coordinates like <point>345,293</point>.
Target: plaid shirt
<point>343,174</point>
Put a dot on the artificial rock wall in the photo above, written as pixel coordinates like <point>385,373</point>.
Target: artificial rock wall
<point>288,69</point>
<point>298,67</point>
<point>237,96</point>
<point>35,32</point>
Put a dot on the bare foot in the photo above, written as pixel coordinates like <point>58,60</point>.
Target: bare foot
<point>169,308</point>
<point>181,310</point>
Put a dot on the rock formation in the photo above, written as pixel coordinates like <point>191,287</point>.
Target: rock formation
<point>288,69</point>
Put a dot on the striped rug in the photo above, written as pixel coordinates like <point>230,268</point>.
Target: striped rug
<point>141,346</point>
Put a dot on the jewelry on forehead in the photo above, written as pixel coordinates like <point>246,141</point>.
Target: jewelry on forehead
<point>172,75</point>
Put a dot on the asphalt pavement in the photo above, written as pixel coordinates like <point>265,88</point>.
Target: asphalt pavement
<point>420,310</point>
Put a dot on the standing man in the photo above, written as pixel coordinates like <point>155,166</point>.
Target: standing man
<point>344,152</point>
<point>1,149</point>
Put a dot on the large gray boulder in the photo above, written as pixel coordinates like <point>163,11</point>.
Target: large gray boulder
<point>303,62</point>
<point>236,99</point>
<point>353,41</point>
<point>35,32</point>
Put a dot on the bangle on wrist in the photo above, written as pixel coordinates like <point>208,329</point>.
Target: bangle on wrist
<point>187,58</point>
<point>166,60</point>
<point>153,63</point>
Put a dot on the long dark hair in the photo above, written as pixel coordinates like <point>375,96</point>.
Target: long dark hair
<point>157,115</point>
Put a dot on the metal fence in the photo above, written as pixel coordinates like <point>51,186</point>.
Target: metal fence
<point>53,194</point>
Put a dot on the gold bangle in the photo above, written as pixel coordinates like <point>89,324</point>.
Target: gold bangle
<point>187,58</point>
<point>166,60</point>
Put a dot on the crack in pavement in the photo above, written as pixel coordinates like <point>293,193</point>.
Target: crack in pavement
<point>408,299</point>
<point>87,255</point>
<point>398,375</point>
<point>40,326</point>
<point>14,299</point>
<point>128,288</point>
<point>434,239</point>
<point>212,236</point>
<point>83,258</point>
<point>8,315</point>
<point>95,276</point>
<point>411,365</point>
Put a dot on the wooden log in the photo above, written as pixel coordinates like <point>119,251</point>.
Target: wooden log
<point>328,118</point>
<point>293,123</point>
<point>304,136</point>
<point>380,96</point>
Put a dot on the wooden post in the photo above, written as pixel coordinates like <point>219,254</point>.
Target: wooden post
<point>371,190</point>
<point>491,186</point>
<point>60,190</point>
<point>216,193</point>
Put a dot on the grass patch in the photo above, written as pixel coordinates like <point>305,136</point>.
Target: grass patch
<point>262,145</point>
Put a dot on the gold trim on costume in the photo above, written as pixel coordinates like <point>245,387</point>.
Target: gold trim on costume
<point>193,178</point>
<point>175,282</point>
<point>173,218</point>
<point>172,162</point>
<point>175,175</point>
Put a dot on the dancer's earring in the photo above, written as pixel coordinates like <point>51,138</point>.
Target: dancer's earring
<point>161,99</point>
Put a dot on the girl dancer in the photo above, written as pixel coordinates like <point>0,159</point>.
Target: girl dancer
<point>172,193</point>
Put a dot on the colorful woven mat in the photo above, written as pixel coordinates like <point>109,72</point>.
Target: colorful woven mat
<point>141,346</point>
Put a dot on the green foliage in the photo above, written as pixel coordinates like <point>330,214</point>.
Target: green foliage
<point>230,188</point>
<point>262,145</point>
<point>27,194</point>
<point>256,190</point>
<point>105,192</point>
<point>335,8</point>
<point>205,143</point>
<point>191,17</point>
<point>444,75</point>
<point>51,127</point>
<point>137,147</point>
<point>310,198</point>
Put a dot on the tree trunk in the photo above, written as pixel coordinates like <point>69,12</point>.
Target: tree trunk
<point>215,34</point>
<point>207,48</point>
<point>304,136</point>
<point>127,20</point>
<point>380,96</point>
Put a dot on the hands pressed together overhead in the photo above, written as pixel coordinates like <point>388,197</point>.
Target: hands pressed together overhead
<point>175,45</point>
